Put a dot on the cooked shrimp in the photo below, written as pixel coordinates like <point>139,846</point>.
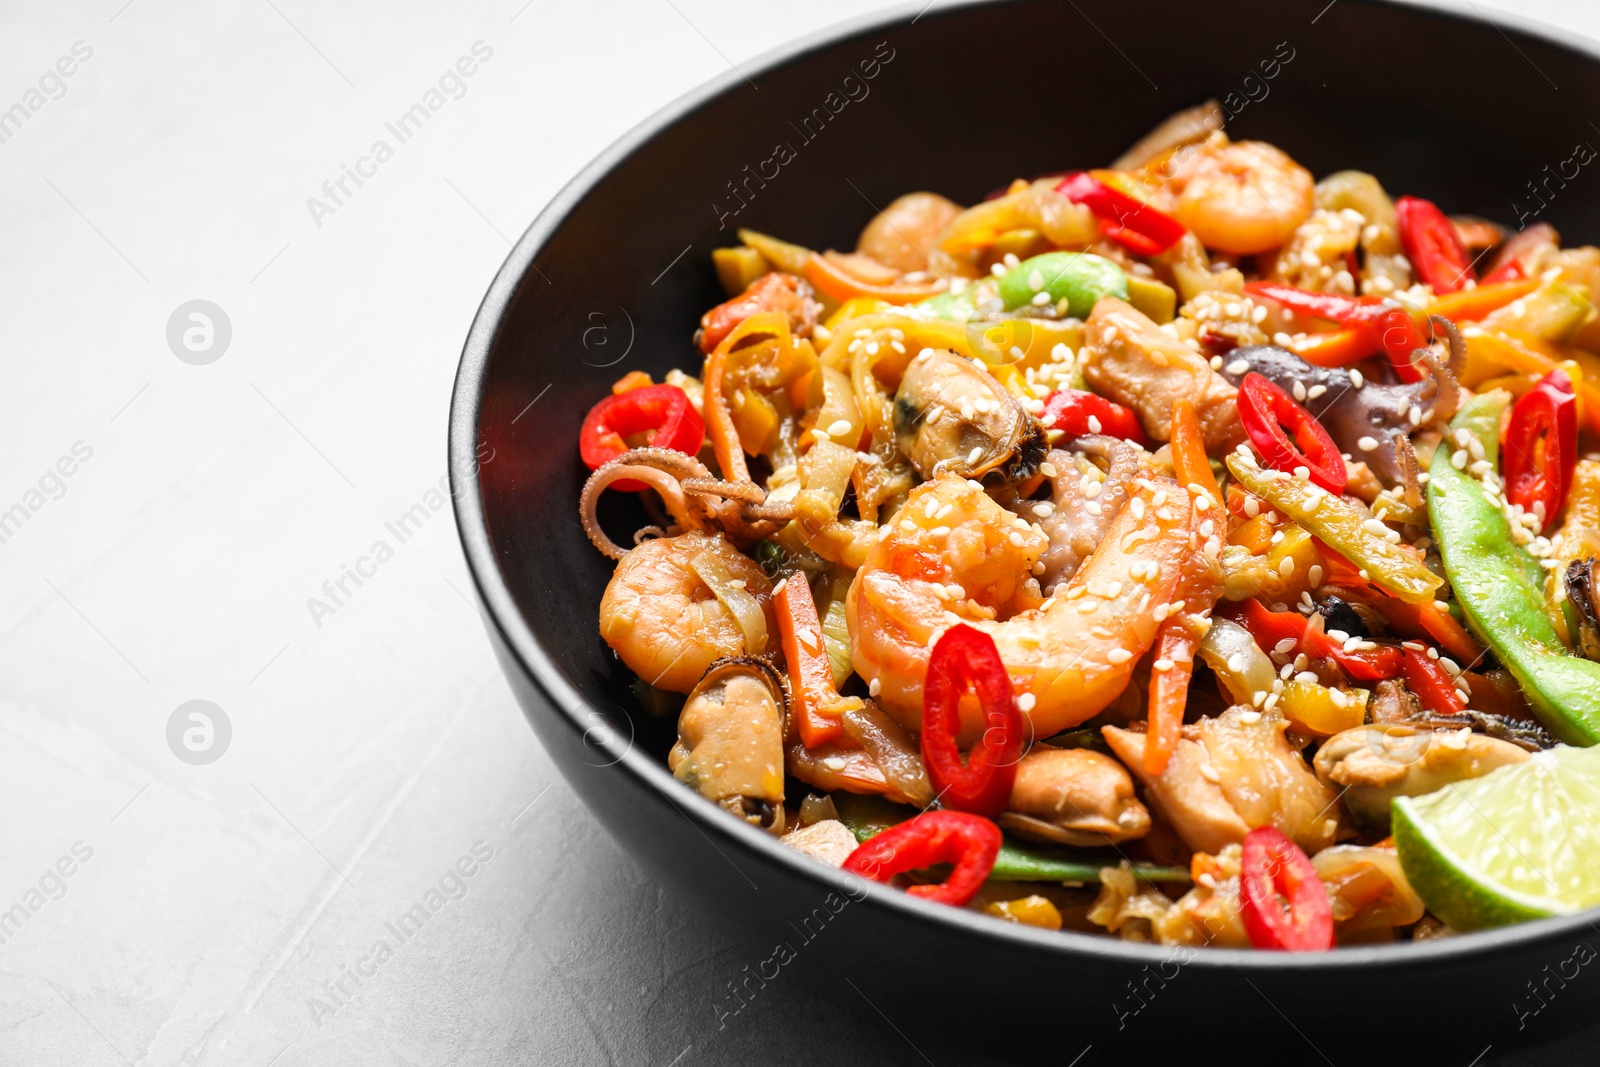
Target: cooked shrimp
<point>1244,197</point>
<point>954,555</point>
<point>665,622</point>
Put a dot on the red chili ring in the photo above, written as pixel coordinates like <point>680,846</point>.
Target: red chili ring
<point>1265,410</point>
<point>1273,866</point>
<point>969,842</point>
<point>965,658</point>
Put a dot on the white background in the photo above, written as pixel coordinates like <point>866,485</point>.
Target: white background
<point>371,751</point>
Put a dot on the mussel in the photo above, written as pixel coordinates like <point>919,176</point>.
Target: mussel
<point>1373,764</point>
<point>953,417</point>
<point>1073,796</point>
<point>1582,592</point>
<point>730,740</point>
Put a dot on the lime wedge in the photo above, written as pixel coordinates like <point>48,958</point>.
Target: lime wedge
<point>1520,843</point>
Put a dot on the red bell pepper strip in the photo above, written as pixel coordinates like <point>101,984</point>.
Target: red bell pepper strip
<point>1432,684</point>
<point>1266,410</point>
<point>1423,622</point>
<point>1539,446</point>
<point>965,657</point>
<point>1380,326</point>
<point>1069,410</point>
<point>1126,220</point>
<point>817,705</point>
<point>662,412</point>
<point>1432,245</point>
<point>970,842</point>
<point>1510,271</point>
<point>1270,628</point>
<point>1283,902</point>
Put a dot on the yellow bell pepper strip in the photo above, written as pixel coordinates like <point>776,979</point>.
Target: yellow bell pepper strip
<point>1489,354</point>
<point>817,706</point>
<point>1501,587</point>
<point>1321,711</point>
<point>1341,524</point>
<point>781,254</point>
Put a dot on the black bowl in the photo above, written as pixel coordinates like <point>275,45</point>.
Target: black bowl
<point>615,272</point>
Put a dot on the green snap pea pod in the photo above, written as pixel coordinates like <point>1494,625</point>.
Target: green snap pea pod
<point>1500,586</point>
<point>1079,278</point>
<point>869,816</point>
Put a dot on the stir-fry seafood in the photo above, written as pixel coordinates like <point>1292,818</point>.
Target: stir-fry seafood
<point>1163,537</point>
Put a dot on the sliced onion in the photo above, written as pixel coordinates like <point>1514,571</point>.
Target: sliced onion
<point>1239,664</point>
<point>836,632</point>
<point>892,749</point>
<point>1367,888</point>
<point>746,609</point>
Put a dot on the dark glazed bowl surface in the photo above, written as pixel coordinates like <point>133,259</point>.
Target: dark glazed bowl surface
<point>615,273</point>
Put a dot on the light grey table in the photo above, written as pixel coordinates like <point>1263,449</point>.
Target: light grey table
<point>377,865</point>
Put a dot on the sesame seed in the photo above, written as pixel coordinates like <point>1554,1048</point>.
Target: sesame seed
<point>1356,379</point>
<point>1041,299</point>
<point>1367,444</point>
<point>1094,424</point>
<point>1047,469</point>
<point>1025,701</point>
<point>975,455</point>
<point>1119,655</point>
<point>839,428</point>
<point>874,687</point>
<point>1250,718</point>
<point>1238,366</point>
<point>1162,665</point>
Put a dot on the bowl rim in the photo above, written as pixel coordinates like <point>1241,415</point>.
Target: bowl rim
<point>506,619</point>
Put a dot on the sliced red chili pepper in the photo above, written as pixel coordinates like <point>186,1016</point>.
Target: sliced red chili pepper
<point>1384,327</point>
<point>970,842</point>
<point>663,413</point>
<point>1283,902</point>
<point>1127,220</point>
<point>965,658</point>
<point>1432,245</point>
<point>1266,411</point>
<point>1270,628</point>
<point>1070,411</point>
<point>1539,446</point>
<point>1432,684</point>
